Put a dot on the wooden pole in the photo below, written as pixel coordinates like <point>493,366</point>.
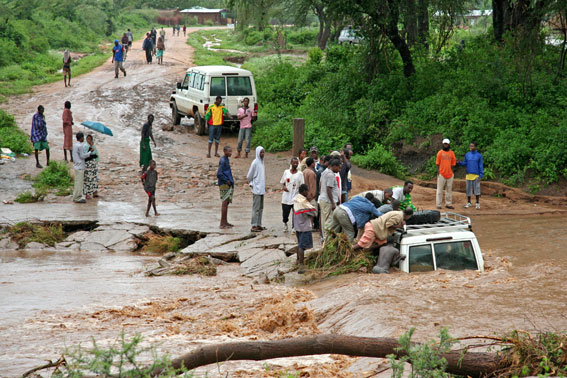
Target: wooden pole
<point>473,364</point>
<point>298,135</point>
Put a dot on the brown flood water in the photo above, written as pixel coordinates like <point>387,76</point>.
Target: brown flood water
<point>524,287</point>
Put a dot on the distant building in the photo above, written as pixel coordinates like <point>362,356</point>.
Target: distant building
<point>474,16</point>
<point>217,16</point>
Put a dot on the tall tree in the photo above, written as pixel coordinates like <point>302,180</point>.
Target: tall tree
<point>512,15</point>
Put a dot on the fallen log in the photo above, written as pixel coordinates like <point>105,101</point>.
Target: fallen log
<point>473,364</point>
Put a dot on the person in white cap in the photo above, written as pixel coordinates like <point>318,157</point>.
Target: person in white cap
<point>445,161</point>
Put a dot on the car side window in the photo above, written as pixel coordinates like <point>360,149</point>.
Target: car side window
<point>421,258</point>
<point>455,255</point>
<point>185,83</point>
<point>218,87</point>
<point>202,86</point>
<point>192,81</point>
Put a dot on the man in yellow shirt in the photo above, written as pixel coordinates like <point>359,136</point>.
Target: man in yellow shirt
<point>215,118</point>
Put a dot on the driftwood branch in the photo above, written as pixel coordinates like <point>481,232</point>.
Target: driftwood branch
<point>473,364</point>
<point>60,362</point>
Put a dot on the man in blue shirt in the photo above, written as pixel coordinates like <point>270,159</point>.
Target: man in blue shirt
<point>226,186</point>
<point>353,214</point>
<point>118,58</point>
<point>475,172</point>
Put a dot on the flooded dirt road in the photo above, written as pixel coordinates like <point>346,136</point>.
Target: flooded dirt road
<point>51,300</point>
<point>66,299</point>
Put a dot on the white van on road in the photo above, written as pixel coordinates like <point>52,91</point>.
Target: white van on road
<point>202,84</point>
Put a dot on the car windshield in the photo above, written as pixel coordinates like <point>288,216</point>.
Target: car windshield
<point>455,256</point>
<point>239,86</point>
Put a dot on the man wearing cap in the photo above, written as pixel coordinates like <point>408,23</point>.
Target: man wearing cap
<point>445,161</point>
<point>118,58</point>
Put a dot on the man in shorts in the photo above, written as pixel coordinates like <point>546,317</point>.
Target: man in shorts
<point>39,135</point>
<point>226,186</point>
<point>475,172</point>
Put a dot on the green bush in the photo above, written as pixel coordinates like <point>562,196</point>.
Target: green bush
<point>303,37</point>
<point>381,159</point>
<point>315,55</point>
<point>12,137</point>
<point>55,176</point>
<point>254,37</point>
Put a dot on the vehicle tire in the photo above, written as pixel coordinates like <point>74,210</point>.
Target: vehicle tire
<point>424,217</point>
<point>199,124</point>
<point>175,116</point>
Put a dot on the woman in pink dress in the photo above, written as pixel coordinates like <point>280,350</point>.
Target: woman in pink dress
<point>68,130</point>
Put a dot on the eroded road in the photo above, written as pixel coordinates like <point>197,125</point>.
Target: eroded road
<point>50,300</point>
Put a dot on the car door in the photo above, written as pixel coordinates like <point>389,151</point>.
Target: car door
<point>238,88</point>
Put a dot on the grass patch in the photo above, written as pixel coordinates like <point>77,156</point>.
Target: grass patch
<point>162,244</point>
<point>338,257</point>
<point>12,137</point>
<point>197,265</point>
<point>56,176</point>
<point>45,233</point>
<point>204,56</point>
<point>29,197</point>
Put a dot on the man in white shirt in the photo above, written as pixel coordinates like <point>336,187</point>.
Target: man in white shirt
<point>290,181</point>
<point>330,193</point>
<point>79,156</point>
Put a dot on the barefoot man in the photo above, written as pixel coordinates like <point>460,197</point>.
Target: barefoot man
<point>226,186</point>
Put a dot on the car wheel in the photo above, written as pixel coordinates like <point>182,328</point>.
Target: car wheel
<point>424,217</point>
<point>175,116</point>
<point>199,124</point>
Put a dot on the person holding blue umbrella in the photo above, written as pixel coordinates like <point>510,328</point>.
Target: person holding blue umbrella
<point>145,149</point>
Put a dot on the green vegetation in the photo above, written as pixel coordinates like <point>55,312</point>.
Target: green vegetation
<point>162,244</point>
<point>471,94</point>
<point>45,233</point>
<point>55,176</point>
<point>425,358</point>
<point>33,35</point>
<point>29,197</point>
<point>338,257</point>
<point>12,137</point>
<point>196,265</point>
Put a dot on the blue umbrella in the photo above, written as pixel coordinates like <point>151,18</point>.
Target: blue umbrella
<point>97,126</point>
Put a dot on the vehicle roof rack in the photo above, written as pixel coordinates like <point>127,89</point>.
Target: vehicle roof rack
<point>449,221</point>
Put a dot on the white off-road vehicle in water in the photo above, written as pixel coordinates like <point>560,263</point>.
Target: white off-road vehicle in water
<point>448,243</point>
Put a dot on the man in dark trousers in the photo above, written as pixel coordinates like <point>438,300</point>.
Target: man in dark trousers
<point>148,47</point>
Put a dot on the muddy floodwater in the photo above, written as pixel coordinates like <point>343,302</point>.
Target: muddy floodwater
<point>524,287</point>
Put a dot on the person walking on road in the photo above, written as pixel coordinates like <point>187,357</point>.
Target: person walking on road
<point>130,38</point>
<point>145,149</point>
<point>184,30</point>
<point>79,156</point>
<point>148,47</point>
<point>118,58</point>
<point>149,179</point>
<point>67,67</point>
<point>90,189</point>
<point>330,193</point>
<point>68,130</point>
<point>226,186</point>
<point>124,42</point>
<point>245,132</point>
<point>291,179</point>
<point>445,161</point>
<point>160,49</point>
<point>162,33</point>
<point>475,172</point>
<point>257,179</point>
<point>38,136</point>
<point>215,117</point>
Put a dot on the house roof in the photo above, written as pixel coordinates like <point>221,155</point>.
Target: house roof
<point>202,10</point>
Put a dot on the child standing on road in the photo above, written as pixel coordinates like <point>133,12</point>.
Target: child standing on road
<point>226,186</point>
<point>149,179</point>
<point>303,214</point>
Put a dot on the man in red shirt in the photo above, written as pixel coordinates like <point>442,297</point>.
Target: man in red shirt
<point>445,161</point>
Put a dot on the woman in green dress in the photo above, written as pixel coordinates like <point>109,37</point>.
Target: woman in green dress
<point>145,149</point>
